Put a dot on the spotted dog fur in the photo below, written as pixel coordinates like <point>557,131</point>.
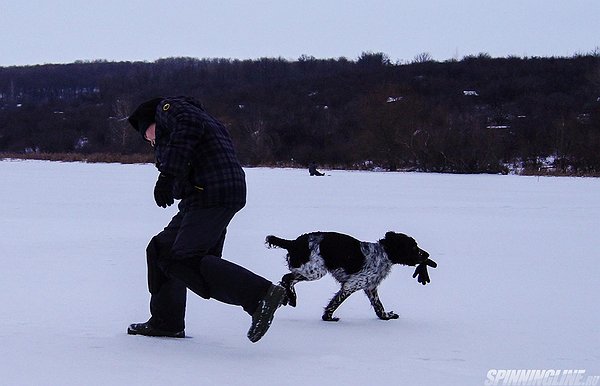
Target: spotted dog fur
<point>356,265</point>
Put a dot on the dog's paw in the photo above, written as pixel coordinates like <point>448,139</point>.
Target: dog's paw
<point>289,300</point>
<point>291,296</point>
<point>290,293</point>
<point>388,316</point>
<point>329,318</point>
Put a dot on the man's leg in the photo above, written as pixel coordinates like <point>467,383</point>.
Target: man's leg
<point>194,261</point>
<point>167,294</point>
<point>211,276</point>
<point>197,251</point>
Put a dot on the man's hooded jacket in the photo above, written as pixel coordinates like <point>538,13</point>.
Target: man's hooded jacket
<point>196,149</point>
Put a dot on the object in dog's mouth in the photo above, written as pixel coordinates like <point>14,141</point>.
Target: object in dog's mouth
<point>421,271</point>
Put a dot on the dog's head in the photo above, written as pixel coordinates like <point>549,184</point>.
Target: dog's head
<point>403,249</point>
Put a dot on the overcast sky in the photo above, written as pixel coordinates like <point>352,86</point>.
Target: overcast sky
<point>63,31</point>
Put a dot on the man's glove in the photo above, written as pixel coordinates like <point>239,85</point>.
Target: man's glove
<point>163,190</point>
<point>421,271</point>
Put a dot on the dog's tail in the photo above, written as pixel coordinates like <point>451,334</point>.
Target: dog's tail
<point>274,241</point>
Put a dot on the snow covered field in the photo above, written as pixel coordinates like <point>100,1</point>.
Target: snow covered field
<point>516,286</point>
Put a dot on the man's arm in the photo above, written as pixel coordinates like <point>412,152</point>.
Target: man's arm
<point>185,136</point>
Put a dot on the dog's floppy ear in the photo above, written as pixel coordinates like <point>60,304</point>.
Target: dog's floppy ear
<point>389,238</point>
<point>401,248</point>
<point>392,238</point>
<point>389,235</point>
<point>393,246</point>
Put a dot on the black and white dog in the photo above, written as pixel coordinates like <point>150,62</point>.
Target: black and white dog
<point>357,265</point>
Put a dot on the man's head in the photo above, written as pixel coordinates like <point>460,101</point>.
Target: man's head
<point>144,116</point>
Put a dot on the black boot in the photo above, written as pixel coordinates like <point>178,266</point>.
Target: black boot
<point>147,330</point>
<point>263,316</point>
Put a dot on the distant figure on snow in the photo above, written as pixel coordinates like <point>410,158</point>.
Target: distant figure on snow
<point>312,169</point>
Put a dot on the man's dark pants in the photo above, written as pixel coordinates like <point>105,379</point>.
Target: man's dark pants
<point>187,253</point>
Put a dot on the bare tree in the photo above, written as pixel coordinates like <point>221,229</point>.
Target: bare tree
<point>120,130</point>
<point>423,57</point>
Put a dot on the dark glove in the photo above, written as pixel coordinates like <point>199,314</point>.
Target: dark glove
<point>421,271</point>
<point>163,190</point>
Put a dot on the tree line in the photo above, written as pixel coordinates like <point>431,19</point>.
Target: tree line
<point>477,114</point>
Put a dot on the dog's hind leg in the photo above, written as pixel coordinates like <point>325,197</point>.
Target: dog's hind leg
<point>288,281</point>
<point>334,303</point>
<point>378,307</point>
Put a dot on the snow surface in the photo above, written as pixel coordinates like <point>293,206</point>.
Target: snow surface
<point>516,286</point>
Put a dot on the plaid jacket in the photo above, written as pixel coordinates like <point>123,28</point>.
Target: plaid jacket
<point>196,149</point>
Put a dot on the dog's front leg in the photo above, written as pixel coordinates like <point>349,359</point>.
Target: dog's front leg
<point>288,281</point>
<point>334,304</point>
<point>378,307</point>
